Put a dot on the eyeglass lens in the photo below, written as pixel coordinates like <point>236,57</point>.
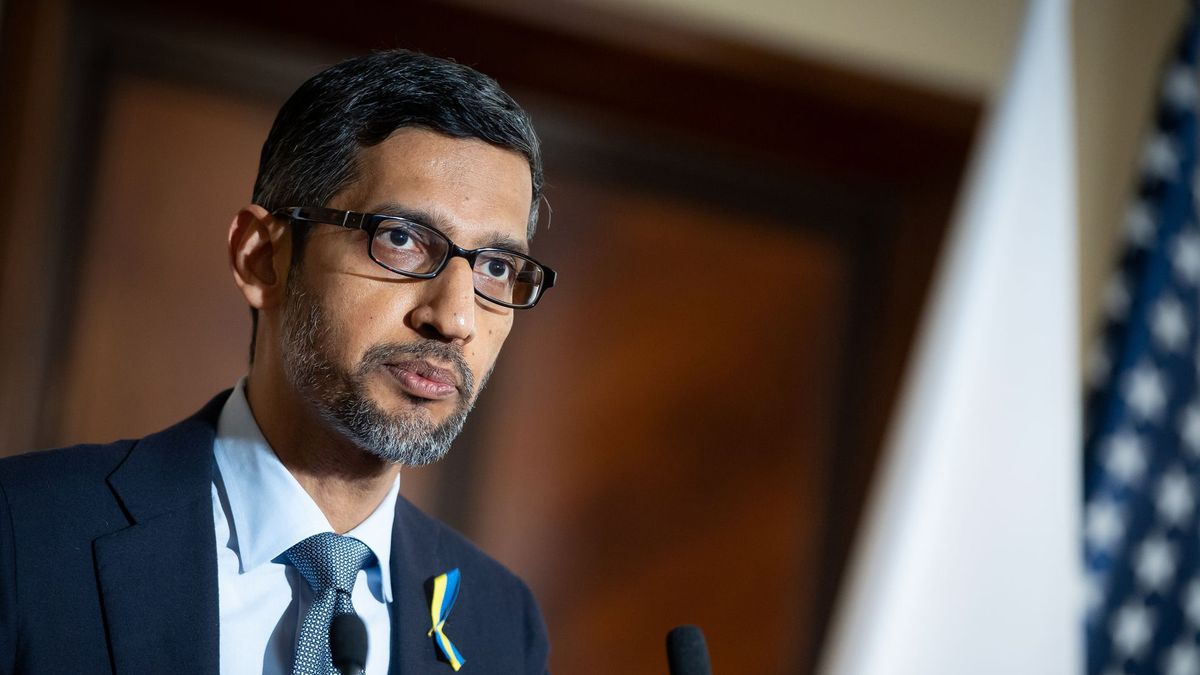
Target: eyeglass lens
<point>410,247</point>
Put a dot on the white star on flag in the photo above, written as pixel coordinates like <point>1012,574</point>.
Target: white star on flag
<point>1125,456</point>
<point>1179,87</point>
<point>1160,157</point>
<point>1183,659</point>
<point>1169,324</point>
<point>1155,566</point>
<point>1105,525</point>
<point>1132,628</point>
<point>1145,391</point>
<point>1175,500</point>
<point>1139,224</point>
<point>1185,257</point>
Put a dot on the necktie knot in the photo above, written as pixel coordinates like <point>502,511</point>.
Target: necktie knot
<point>329,561</point>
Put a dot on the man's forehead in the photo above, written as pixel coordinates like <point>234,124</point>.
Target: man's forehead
<point>467,188</point>
<point>422,153</point>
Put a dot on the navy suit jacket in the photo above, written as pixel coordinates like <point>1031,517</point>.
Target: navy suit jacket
<point>108,564</point>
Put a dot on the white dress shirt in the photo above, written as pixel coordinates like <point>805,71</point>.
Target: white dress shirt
<point>260,511</point>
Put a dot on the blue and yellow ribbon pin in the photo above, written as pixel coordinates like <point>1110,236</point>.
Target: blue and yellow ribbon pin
<point>445,592</point>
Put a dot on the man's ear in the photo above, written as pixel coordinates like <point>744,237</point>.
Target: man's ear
<point>260,254</point>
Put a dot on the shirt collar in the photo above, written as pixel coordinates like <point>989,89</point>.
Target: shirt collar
<point>268,508</point>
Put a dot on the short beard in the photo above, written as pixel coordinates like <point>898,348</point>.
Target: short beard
<point>407,438</point>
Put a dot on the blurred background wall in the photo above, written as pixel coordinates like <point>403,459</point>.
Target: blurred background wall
<point>748,199</point>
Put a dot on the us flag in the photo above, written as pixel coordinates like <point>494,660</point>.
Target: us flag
<point>1142,436</point>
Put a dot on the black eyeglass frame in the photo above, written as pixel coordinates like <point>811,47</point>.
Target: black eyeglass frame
<point>370,222</point>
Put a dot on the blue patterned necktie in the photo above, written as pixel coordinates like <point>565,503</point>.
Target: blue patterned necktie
<point>330,563</point>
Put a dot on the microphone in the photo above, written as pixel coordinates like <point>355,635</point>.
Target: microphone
<point>348,644</point>
<point>687,654</point>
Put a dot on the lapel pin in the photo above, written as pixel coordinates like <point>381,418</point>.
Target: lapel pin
<point>445,592</point>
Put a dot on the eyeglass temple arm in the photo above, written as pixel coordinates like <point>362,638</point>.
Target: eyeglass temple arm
<point>314,214</point>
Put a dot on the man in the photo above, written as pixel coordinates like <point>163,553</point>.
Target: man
<point>384,259</point>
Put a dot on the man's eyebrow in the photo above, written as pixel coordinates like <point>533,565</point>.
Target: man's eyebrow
<point>415,215</point>
<point>500,240</point>
<point>493,239</point>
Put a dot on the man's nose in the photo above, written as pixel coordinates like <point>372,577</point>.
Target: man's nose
<point>447,308</point>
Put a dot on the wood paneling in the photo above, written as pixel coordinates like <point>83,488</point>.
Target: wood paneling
<point>656,437</point>
<point>158,325</point>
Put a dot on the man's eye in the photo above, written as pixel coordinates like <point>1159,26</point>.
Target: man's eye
<point>399,238</point>
<point>498,269</point>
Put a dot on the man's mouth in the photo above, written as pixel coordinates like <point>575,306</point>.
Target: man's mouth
<point>423,379</point>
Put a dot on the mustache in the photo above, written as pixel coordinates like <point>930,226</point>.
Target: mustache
<point>428,350</point>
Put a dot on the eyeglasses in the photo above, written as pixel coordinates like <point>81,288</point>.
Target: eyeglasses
<point>414,250</point>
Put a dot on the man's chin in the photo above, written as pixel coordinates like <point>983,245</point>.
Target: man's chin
<point>409,410</point>
<point>399,430</point>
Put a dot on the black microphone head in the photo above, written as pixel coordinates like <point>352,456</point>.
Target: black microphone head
<point>687,653</point>
<point>348,643</point>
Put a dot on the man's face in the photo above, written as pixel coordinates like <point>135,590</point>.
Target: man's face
<point>393,363</point>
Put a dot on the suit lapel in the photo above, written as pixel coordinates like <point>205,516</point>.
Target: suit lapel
<point>159,593</point>
<point>416,558</point>
<point>158,577</point>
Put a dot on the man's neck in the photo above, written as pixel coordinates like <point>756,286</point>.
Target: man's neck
<point>346,483</point>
